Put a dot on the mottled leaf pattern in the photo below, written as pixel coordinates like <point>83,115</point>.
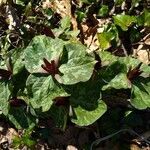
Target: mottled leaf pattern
<point>42,90</point>
<point>79,66</point>
<point>140,97</point>
<point>86,117</point>
<point>4,97</point>
<point>39,48</point>
<point>86,102</point>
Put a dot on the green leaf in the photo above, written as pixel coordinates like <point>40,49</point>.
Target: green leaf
<point>132,62</point>
<point>114,75</point>
<point>80,16</point>
<point>108,36</point>
<point>108,59</point>
<point>29,142</point>
<point>140,97</point>
<point>144,18</point>
<point>135,35</point>
<point>65,22</point>
<point>42,90</point>
<point>103,11</point>
<point>79,65</point>
<point>105,39</point>
<point>86,102</point>
<point>119,2</point>
<point>20,118</point>
<point>124,21</point>
<point>4,97</point>
<point>59,116</point>
<point>17,60</point>
<point>120,81</point>
<point>87,117</point>
<point>129,61</point>
<point>112,70</point>
<point>39,48</point>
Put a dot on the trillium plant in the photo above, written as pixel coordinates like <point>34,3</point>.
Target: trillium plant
<point>48,71</point>
<point>60,78</point>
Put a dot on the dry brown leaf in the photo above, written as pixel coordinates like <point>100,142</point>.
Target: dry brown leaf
<point>147,41</point>
<point>134,147</point>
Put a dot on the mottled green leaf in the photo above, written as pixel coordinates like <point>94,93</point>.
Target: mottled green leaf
<point>132,62</point>
<point>79,65</point>
<point>107,73</point>
<point>140,97</point>
<point>42,90</point>
<point>87,117</point>
<point>120,81</point>
<point>108,59</point>
<point>4,97</point>
<point>39,48</point>
<point>86,102</point>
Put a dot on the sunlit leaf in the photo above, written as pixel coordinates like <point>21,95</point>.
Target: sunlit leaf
<point>124,21</point>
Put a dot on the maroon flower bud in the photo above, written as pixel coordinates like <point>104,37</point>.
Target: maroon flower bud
<point>15,102</point>
<point>134,73</point>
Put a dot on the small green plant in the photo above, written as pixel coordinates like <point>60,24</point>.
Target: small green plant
<point>24,140</point>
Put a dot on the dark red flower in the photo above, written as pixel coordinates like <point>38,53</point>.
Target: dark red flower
<point>15,102</point>
<point>5,74</point>
<point>61,101</point>
<point>50,67</point>
<point>134,73</point>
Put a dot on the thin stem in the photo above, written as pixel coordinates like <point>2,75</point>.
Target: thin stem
<point>96,142</point>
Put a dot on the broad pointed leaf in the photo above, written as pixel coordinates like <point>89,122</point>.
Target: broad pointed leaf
<point>39,48</point>
<point>108,59</point>
<point>20,118</point>
<point>87,117</point>
<point>105,39</point>
<point>140,97</point>
<point>86,103</point>
<point>120,81</point>
<point>124,21</point>
<point>79,65</point>
<point>42,90</point>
